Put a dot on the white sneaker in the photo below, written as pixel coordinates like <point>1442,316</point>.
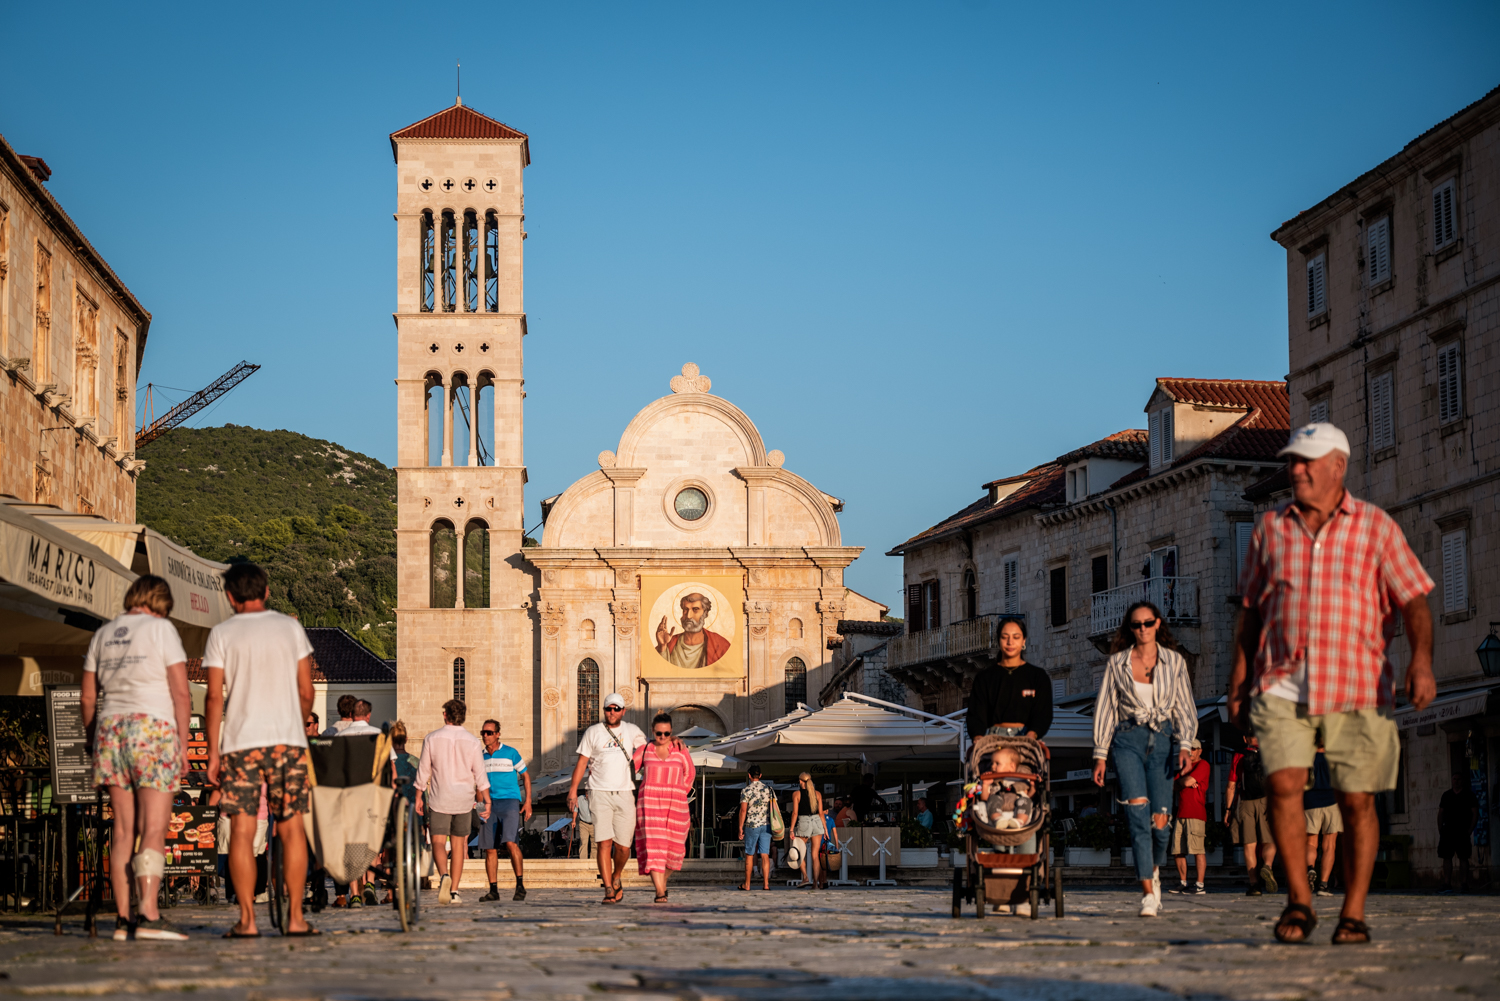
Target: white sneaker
<point>1149,905</point>
<point>445,890</point>
<point>1022,910</point>
<point>454,898</point>
<point>1156,886</point>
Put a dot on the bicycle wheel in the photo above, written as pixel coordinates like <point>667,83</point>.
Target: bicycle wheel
<point>276,890</point>
<point>406,859</point>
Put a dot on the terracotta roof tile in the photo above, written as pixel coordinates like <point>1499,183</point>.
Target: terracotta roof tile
<point>460,122</point>
<point>1128,444</point>
<point>1247,393</point>
<point>345,660</point>
<point>1044,488</point>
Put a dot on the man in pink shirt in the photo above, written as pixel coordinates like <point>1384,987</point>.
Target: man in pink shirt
<point>449,778</point>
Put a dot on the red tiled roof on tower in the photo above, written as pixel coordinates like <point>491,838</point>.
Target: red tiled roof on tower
<point>459,122</point>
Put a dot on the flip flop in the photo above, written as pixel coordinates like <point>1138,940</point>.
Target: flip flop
<point>742,887</point>
<point>236,933</point>
<point>311,931</point>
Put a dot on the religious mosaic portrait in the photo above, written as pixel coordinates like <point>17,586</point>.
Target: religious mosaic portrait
<point>693,628</point>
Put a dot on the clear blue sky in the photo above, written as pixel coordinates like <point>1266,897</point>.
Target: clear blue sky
<point>922,246</point>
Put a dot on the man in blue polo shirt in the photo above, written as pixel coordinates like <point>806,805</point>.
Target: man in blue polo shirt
<point>508,808</point>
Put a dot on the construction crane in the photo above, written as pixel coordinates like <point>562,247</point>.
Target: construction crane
<point>193,404</point>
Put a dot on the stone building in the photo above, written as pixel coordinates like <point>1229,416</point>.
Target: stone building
<point>71,341</point>
<point>690,526</point>
<point>464,619</point>
<point>861,664</point>
<point>1393,308</point>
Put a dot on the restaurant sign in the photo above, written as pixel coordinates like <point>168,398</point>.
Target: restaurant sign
<point>1443,710</point>
<point>75,575</point>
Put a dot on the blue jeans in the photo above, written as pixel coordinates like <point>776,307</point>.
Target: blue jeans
<point>1143,761</point>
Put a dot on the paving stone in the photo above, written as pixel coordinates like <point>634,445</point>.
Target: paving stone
<point>785,945</point>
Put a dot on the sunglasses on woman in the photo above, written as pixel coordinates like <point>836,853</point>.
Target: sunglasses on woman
<point>662,733</point>
<point>1142,623</point>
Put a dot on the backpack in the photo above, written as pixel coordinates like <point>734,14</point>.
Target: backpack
<point>1252,776</point>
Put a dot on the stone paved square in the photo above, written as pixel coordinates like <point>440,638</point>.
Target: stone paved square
<point>786,945</point>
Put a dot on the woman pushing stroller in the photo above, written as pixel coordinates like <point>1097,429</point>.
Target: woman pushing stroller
<point>1145,707</point>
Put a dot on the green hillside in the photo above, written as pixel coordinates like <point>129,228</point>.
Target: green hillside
<point>319,518</point>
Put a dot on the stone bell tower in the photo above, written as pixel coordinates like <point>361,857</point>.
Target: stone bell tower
<point>464,622</point>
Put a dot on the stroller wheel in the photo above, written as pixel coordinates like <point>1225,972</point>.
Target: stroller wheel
<point>1036,901</point>
<point>958,893</point>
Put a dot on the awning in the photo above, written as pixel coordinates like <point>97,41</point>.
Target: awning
<point>852,729</point>
<point>1453,705</point>
<point>1069,728</point>
<point>55,590</point>
<point>198,599</point>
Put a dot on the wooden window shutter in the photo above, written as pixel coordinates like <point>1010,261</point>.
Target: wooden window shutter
<point>1317,285</point>
<point>1443,229</point>
<point>1242,532</point>
<point>1382,424</point>
<point>1059,689</point>
<point>1455,571</point>
<point>1319,413</point>
<point>1450,394</point>
<point>1153,434</point>
<point>1378,251</point>
<point>1060,596</point>
<point>1167,432</point>
<point>914,623</point>
<point>1012,586</point>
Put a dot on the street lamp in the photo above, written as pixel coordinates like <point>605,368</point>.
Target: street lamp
<point>1489,653</point>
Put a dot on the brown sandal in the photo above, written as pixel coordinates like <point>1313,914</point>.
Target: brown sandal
<point>1299,917</point>
<point>1354,927</point>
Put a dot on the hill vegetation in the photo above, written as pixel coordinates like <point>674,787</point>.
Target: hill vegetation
<point>319,518</point>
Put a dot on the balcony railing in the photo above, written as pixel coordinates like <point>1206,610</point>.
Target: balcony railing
<point>1177,597</point>
<point>974,636</point>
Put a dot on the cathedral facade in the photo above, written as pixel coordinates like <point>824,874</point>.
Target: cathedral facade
<point>691,572</point>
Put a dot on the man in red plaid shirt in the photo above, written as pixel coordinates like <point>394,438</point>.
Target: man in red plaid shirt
<point>1323,579</point>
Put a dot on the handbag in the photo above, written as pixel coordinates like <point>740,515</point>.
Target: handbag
<point>778,825</point>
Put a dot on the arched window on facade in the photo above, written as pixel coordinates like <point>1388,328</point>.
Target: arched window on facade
<point>971,595</point>
<point>449,238</point>
<point>463,422</point>
<point>586,630</point>
<point>471,262</point>
<point>444,565</point>
<point>491,262</point>
<point>460,682</point>
<point>588,694</point>
<point>796,683</point>
<point>427,263</point>
<point>437,411</point>
<point>484,418</point>
<point>122,383</point>
<point>794,629</point>
<point>476,564</point>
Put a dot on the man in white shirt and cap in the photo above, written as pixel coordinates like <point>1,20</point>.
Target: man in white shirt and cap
<point>605,752</point>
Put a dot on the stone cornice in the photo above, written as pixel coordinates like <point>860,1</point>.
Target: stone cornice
<point>641,558</point>
<point>622,477</point>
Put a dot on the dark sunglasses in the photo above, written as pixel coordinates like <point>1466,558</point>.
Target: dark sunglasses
<point>489,733</point>
<point>614,709</point>
<point>1142,623</point>
<point>663,733</point>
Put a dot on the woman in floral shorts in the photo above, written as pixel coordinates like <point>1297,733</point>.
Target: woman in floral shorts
<point>135,705</point>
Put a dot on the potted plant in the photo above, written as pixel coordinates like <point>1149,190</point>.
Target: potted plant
<point>958,849</point>
<point>1090,841</point>
<point>917,848</point>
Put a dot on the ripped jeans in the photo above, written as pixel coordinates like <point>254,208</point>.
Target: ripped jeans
<point>1145,765</point>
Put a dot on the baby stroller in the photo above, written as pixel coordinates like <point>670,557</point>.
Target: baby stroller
<point>1017,809</point>
<point>359,820</point>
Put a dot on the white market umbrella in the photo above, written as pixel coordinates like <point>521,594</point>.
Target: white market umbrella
<point>856,728</point>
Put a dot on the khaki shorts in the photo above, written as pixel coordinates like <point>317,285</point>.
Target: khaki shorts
<point>1363,750</point>
<point>1190,830</point>
<point>1255,821</point>
<point>1325,820</point>
<point>614,815</point>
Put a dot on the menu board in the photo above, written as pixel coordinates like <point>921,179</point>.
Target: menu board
<point>191,845</point>
<point>72,765</point>
<point>197,754</point>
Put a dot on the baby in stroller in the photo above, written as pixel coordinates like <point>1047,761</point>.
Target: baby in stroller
<point>1007,804</point>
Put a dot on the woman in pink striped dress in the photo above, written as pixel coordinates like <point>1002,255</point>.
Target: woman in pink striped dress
<point>661,811</point>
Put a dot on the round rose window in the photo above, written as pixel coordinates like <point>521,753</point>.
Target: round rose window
<point>691,504</point>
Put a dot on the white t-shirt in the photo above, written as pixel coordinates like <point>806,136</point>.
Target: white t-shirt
<point>358,728</point>
<point>1293,686</point>
<point>130,656</point>
<point>609,770</point>
<point>259,652</point>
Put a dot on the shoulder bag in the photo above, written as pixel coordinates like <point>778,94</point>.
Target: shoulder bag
<point>778,825</point>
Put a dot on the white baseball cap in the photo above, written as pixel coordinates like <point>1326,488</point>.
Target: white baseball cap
<point>1196,745</point>
<point>615,699</point>
<point>1313,441</point>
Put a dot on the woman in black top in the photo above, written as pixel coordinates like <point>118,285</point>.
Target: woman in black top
<point>1014,695</point>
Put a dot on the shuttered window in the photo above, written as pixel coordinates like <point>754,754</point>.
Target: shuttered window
<point>1059,689</point>
<point>1153,434</point>
<point>1317,285</point>
<point>1378,251</point>
<point>915,620</point>
<point>1242,531</point>
<point>1060,596</point>
<point>1450,383</point>
<point>1100,568</point>
<point>1456,571</point>
<point>1012,575</point>
<point>1318,414</point>
<point>1444,227</point>
<point>1382,412</point>
<point>933,604</point>
<point>1160,435</point>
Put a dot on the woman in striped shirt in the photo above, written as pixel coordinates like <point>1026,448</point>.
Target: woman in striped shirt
<point>1145,706</point>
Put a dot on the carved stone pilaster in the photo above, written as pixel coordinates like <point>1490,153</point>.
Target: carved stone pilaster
<point>758,623</point>
<point>553,617</point>
<point>627,616</point>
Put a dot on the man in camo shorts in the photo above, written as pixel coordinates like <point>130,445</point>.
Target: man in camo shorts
<point>264,659</point>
